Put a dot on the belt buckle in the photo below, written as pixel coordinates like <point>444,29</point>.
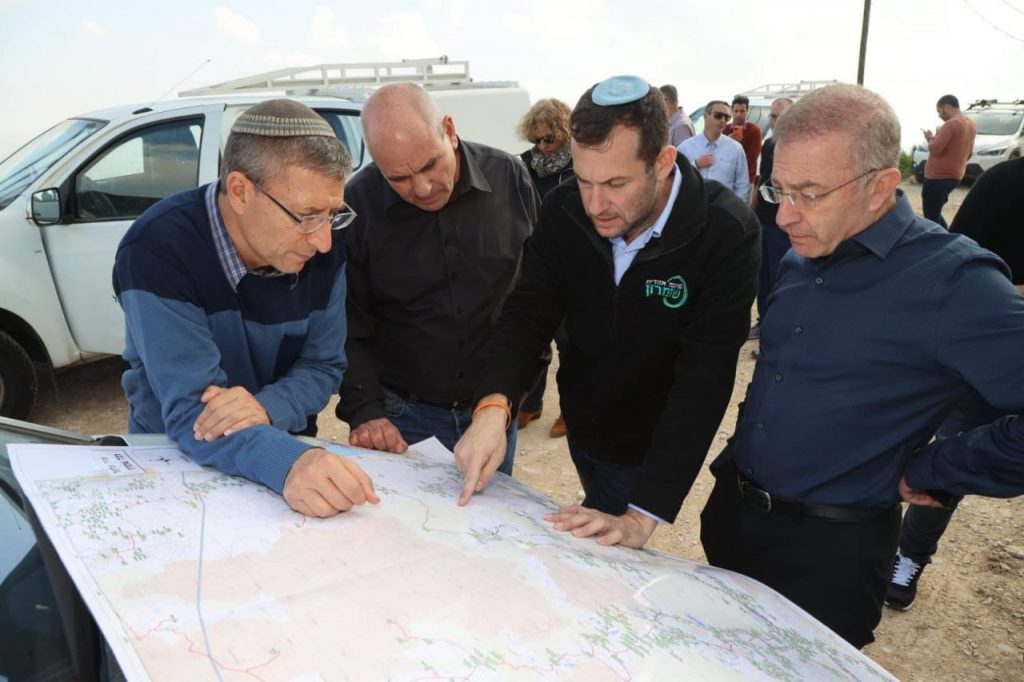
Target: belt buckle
<point>761,500</point>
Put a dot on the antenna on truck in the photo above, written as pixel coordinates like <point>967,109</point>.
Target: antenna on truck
<point>171,89</point>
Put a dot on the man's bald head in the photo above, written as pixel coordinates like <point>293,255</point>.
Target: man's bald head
<point>413,145</point>
<point>400,109</point>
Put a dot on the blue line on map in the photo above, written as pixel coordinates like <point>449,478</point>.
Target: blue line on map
<point>199,583</point>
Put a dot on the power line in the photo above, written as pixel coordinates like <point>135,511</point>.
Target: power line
<point>1012,6</point>
<point>992,23</point>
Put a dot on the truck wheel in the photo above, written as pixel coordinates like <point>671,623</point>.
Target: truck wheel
<point>17,379</point>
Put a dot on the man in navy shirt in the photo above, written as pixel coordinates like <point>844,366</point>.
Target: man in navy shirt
<point>880,321</point>
<point>234,295</point>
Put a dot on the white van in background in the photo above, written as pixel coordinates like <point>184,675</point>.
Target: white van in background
<point>761,99</point>
<point>68,196</point>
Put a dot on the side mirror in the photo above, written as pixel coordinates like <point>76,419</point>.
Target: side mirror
<point>46,206</point>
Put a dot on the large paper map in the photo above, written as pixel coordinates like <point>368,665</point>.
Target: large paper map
<point>195,575</point>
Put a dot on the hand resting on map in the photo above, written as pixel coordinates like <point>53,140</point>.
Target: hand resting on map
<point>227,410</point>
<point>378,434</point>
<point>321,483</point>
<point>632,529</point>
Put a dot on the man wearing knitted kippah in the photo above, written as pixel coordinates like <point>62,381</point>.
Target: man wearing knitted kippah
<point>432,255</point>
<point>234,298</point>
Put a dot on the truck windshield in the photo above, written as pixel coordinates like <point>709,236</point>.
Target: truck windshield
<point>995,122</point>
<point>19,169</point>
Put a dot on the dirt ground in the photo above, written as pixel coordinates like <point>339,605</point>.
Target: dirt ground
<point>967,623</point>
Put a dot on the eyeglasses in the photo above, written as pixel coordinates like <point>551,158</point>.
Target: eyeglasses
<point>722,116</point>
<point>308,224</point>
<point>773,195</point>
<point>547,139</point>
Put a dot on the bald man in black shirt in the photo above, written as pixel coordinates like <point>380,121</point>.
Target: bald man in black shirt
<point>432,255</point>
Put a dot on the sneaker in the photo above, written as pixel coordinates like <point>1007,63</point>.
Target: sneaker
<point>903,585</point>
<point>755,332</point>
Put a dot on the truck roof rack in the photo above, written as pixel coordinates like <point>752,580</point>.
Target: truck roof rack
<point>797,89</point>
<point>352,81</point>
<point>983,103</point>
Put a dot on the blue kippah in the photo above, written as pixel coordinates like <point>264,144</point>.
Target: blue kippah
<point>620,90</point>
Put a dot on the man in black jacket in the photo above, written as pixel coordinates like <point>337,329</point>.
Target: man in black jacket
<point>654,271</point>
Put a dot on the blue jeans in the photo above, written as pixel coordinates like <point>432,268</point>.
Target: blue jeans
<point>774,245</point>
<point>934,194</point>
<point>417,422</point>
<point>606,486</point>
<point>923,526</point>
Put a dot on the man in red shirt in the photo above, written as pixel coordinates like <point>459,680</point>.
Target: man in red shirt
<point>746,133</point>
<point>948,152</point>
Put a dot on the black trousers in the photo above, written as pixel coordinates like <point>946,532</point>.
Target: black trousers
<point>836,571</point>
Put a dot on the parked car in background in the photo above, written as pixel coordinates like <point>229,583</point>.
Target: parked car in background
<point>1000,136</point>
<point>68,196</point>
<point>761,99</point>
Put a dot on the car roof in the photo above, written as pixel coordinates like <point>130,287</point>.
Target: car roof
<point>127,110</point>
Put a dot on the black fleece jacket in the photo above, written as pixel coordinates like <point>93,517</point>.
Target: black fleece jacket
<point>650,364</point>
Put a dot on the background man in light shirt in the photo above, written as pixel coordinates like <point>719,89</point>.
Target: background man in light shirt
<point>716,156</point>
<point>680,127</point>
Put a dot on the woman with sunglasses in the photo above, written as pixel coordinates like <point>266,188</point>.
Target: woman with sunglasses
<point>549,160</point>
<point>546,127</point>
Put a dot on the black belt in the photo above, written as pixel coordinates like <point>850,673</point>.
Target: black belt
<point>762,501</point>
<point>414,399</point>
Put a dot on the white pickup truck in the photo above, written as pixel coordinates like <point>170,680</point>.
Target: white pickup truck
<point>68,196</point>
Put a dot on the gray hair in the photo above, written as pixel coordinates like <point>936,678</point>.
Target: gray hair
<point>851,110</point>
<point>262,159</point>
<point>670,94</point>
<point>279,133</point>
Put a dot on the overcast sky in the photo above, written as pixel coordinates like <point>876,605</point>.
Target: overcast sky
<point>60,59</point>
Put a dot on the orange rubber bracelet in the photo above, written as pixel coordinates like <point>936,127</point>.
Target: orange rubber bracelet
<point>502,405</point>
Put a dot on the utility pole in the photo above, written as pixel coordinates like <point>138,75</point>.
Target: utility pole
<point>863,42</point>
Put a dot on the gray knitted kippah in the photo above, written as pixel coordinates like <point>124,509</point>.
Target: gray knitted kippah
<point>282,118</point>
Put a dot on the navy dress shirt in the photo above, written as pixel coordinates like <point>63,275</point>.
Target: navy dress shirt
<point>864,353</point>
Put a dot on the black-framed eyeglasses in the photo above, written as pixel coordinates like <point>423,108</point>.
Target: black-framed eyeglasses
<point>308,224</point>
<point>547,139</point>
<point>722,116</point>
<point>774,195</point>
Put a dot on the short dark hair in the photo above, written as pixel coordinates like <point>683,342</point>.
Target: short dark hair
<point>711,105</point>
<point>741,99</point>
<point>670,94</point>
<point>592,124</point>
<point>951,100</point>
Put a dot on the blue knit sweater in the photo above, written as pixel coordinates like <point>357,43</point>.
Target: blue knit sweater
<point>281,338</point>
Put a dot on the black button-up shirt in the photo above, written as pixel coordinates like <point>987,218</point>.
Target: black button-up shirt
<point>865,352</point>
<point>426,287</point>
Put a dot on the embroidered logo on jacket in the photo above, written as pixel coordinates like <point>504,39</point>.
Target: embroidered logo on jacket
<point>673,291</point>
